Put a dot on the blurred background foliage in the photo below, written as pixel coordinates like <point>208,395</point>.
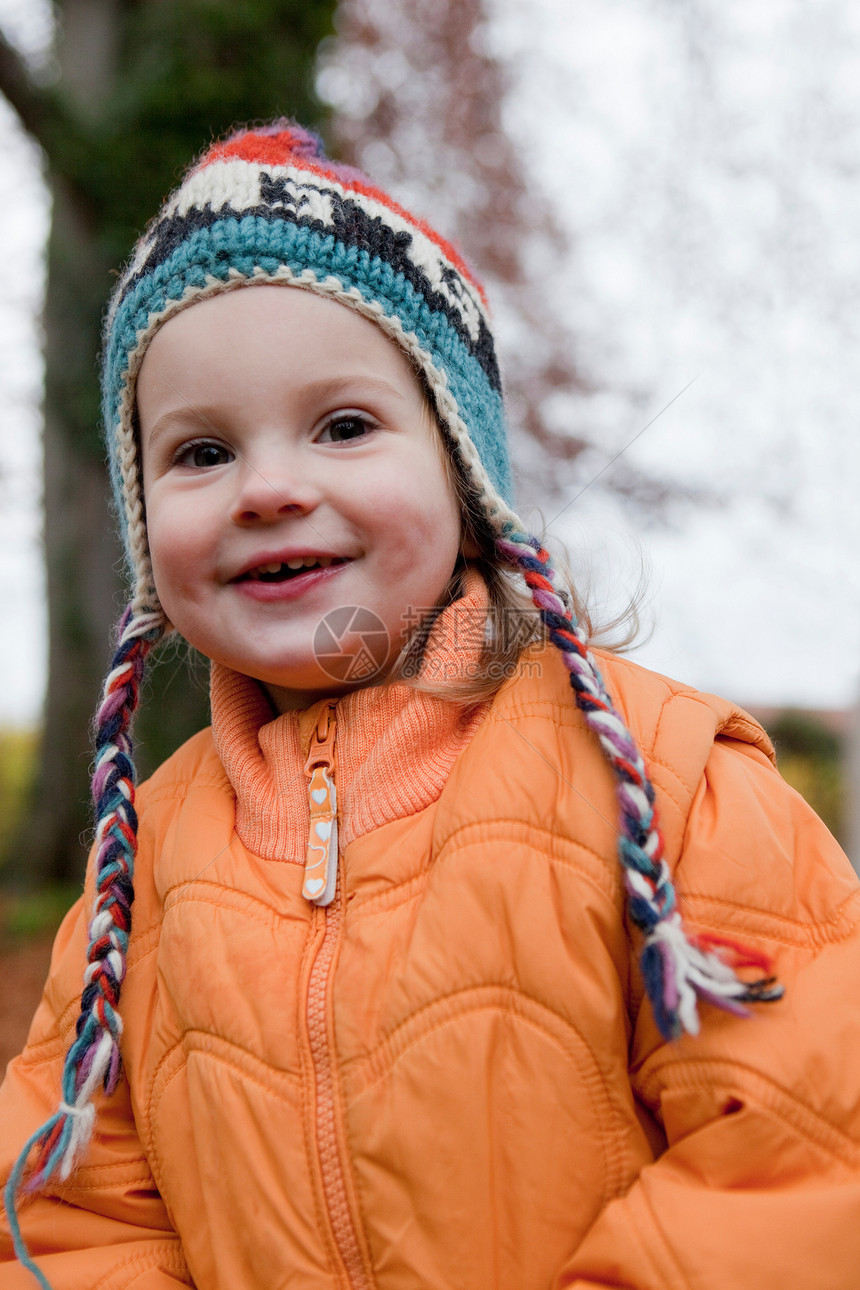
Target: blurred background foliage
<point>811,756</point>
<point>131,91</point>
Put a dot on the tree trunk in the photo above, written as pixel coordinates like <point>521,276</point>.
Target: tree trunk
<point>142,86</point>
<point>81,551</point>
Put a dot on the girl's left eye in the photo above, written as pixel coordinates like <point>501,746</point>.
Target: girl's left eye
<point>343,429</point>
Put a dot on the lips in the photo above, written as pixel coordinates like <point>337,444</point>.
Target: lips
<point>283,569</point>
<point>274,580</point>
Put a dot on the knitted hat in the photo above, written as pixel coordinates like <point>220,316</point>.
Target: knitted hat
<point>266,206</point>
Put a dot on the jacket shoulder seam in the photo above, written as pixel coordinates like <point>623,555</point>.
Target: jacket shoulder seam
<point>180,788</point>
<point>789,932</point>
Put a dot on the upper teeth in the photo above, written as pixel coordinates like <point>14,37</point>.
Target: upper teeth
<point>300,562</point>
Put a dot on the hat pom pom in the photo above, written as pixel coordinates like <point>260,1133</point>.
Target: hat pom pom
<point>268,145</point>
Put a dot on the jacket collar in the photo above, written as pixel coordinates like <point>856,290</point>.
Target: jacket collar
<point>394,750</point>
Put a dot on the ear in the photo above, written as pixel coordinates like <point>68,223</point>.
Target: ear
<point>469,548</point>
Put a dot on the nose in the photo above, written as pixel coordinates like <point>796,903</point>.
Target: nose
<point>271,489</point>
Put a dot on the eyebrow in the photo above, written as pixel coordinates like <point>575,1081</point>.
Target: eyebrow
<point>164,422</point>
<point>323,388</point>
<point>335,384</point>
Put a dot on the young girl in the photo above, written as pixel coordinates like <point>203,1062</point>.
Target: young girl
<point>390,1012</point>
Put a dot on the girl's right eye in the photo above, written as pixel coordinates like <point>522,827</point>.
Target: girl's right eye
<point>203,454</point>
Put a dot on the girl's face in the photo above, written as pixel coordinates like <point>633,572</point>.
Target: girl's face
<point>291,468</point>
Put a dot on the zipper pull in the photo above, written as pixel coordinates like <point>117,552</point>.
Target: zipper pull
<point>321,862</point>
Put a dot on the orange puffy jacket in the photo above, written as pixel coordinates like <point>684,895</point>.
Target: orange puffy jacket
<point>448,1079</point>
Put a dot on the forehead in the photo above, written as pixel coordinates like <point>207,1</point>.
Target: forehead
<point>246,356</point>
<point>254,327</point>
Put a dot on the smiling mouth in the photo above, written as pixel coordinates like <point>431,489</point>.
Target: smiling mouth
<point>283,571</point>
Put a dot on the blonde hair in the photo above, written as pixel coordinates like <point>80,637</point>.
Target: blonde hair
<point>513,623</point>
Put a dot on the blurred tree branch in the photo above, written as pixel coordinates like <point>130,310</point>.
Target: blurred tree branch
<point>426,81</point>
<point>422,94</point>
<point>36,108</point>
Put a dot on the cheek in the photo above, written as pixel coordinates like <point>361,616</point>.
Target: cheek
<point>422,523</point>
<point>445,521</point>
<point>432,543</point>
<point>177,548</point>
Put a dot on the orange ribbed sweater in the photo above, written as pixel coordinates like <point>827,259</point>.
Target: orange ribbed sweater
<point>395,744</point>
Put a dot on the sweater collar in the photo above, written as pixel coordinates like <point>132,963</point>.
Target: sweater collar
<point>395,745</point>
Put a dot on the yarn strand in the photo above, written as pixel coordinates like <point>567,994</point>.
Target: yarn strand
<point>677,970</point>
<point>93,1061</point>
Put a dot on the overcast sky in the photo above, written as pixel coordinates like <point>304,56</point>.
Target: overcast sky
<point>705,158</point>
<point>707,155</point>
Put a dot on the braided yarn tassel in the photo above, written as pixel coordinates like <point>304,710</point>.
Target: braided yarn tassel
<point>94,1057</point>
<point>677,971</point>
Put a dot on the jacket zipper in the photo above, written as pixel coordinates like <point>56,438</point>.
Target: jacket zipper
<point>321,860</point>
<point>322,888</point>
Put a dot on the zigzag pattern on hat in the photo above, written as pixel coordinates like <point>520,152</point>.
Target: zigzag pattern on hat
<point>281,194</point>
